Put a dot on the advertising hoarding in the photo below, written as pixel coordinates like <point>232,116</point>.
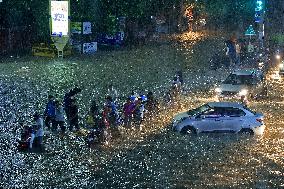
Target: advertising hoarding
<point>59,18</point>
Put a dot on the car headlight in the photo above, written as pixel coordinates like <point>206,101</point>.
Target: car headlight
<point>281,65</point>
<point>176,121</point>
<point>218,90</point>
<point>243,92</point>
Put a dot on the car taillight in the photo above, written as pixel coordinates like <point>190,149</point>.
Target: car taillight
<point>260,120</point>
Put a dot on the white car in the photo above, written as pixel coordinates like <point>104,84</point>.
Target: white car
<point>219,117</point>
<point>241,85</point>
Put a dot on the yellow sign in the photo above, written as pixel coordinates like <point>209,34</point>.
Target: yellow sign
<point>59,18</point>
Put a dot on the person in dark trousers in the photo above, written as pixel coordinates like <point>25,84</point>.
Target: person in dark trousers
<point>94,111</point>
<point>231,51</point>
<point>68,98</point>
<point>73,115</point>
<point>50,112</point>
<point>180,77</point>
<point>113,114</point>
<point>151,105</point>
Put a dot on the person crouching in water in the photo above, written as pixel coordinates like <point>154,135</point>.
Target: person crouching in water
<point>24,142</point>
<point>100,133</point>
<point>37,132</point>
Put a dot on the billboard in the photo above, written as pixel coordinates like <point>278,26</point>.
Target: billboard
<point>59,18</point>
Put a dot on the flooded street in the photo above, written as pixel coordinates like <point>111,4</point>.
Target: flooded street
<point>155,157</point>
<point>172,160</point>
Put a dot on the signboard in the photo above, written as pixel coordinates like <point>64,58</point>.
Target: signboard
<point>250,48</point>
<point>59,18</point>
<point>250,31</point>
<point>76,27</point>
<point>87,28</point>
<point>89,48</point>
<point>257,16</point>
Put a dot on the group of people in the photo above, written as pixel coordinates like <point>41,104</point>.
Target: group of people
<point>233,50</point>
<point>100,119</point>
<point>54,117</point>
<point>231,57</point>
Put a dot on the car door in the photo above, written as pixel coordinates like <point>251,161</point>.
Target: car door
<point>210,120</point>
<point>233,119</point>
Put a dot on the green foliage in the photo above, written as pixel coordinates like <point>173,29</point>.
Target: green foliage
<point>40,12</point>
<point>278,38</point>
<point>103,12</point>
<point>229,13</point>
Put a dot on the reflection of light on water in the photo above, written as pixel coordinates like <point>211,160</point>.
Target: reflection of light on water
<point>60,75</point>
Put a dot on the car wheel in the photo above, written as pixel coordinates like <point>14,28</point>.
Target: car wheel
<point>246,132</point>
<point>188,130</point>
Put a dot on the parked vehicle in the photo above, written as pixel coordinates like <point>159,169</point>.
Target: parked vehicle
<point>219,117</point>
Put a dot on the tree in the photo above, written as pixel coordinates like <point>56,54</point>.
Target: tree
<point>228,14</point>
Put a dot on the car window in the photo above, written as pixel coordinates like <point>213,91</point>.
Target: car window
<point>198,110</point>
<point>212,113</point>
<point>234,112</point>
<point>239,79</point>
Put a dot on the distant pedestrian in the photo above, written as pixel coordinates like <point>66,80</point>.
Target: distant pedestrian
<point>238,54</point>
<point>50,112</point>
<point>176,84</point>
<point>180,77</point>
<point>231,51</point>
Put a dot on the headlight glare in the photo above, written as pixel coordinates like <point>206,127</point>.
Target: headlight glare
<point>243,92</point>
<point>218,90</point>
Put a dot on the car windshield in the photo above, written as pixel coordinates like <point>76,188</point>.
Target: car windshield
<point>245,107</point>
<point>198,110</point>
<point>239,79</point>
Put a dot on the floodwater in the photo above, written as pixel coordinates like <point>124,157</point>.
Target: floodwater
<point>154,157</point>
